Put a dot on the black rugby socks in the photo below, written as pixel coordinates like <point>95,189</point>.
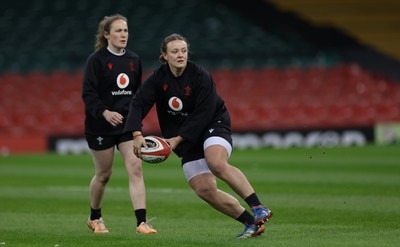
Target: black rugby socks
<point>95,214</point>
<point>252,200</point>
<point>246,218</point>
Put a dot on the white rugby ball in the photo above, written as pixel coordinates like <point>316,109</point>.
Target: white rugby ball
<point>157,150</point>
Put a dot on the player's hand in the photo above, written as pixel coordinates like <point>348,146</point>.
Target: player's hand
<point>174,141</point>
<point>114,118</point>
<point>138,143</point>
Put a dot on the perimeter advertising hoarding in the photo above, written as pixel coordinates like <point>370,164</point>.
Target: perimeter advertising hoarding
<point>273,139</point>
<point>305,138</point>
<point>387,133</point>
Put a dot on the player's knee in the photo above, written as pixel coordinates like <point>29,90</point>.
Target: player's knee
<point>217,166</point>
<point>206,194</point>
<point>134,168</point>
<point>206,191</point>
<point>103,177</point>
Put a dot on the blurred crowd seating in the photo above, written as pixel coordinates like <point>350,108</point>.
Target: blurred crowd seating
<point>316,97</point>
<point>258,99</point>
<point>47,35</point>
<point>271,78</point>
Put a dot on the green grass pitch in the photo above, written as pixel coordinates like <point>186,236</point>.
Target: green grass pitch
<point>319,196</point>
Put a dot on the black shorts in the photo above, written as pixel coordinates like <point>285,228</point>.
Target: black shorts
<point>103,142</point>
<point>189,152</point>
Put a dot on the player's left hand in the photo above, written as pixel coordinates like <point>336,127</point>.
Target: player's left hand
<point>174,141</point>
<point>114,118</point>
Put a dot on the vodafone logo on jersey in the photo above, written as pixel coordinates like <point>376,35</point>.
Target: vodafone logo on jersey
<point>175,103</point>
<point>122,80</point>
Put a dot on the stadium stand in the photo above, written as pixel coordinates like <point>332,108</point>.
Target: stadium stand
<point>59,35</point>
<point>373,22</point>
<point>259,99</point>
<point>293,98</point>
<point>271,71</point>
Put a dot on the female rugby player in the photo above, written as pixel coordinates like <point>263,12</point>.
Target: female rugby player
<point>112,76</point>
<point>194,120</point>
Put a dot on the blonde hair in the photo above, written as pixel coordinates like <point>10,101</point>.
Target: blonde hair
<point>169,38</point>
<point>105,26</point>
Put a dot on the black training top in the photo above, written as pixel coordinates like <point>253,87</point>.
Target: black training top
<point>186,105</point>
<point>109,82</point>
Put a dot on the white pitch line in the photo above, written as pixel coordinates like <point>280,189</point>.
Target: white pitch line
<point>116,189</point>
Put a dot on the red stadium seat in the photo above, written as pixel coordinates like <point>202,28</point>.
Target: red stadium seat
<point>258,99</point>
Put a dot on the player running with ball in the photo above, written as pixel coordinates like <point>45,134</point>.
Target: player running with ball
<point>196,123</point>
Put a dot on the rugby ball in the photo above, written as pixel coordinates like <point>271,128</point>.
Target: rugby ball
<point>157,150</point>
